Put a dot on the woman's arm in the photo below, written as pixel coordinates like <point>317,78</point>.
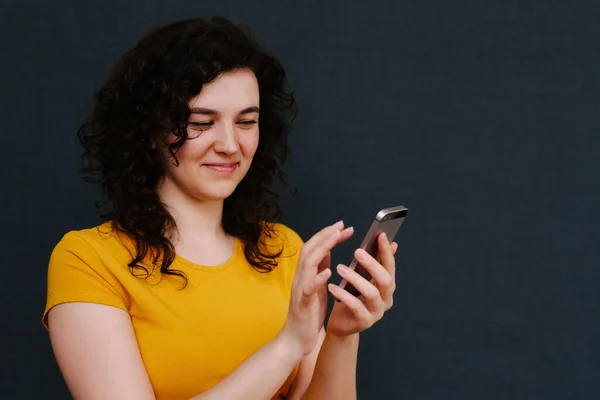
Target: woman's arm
<point>97,352</point>
<point>334,375</point>
<point>335,372</point>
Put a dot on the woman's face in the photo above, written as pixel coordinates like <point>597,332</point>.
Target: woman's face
<point>223,131</point>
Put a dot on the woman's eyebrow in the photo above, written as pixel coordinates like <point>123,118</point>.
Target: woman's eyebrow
<point>250,110</point>
<point>209,111</point>
<point>204,111</point>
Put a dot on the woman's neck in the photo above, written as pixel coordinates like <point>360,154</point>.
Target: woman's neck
<point>195,220</point>
<point>202,221</point>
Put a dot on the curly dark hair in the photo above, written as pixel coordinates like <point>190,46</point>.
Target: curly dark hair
<point>146,95</point>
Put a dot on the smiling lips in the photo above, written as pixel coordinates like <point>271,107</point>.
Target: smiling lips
<point>226,168</point>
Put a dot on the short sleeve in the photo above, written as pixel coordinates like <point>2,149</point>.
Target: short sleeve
<point>77,273</point>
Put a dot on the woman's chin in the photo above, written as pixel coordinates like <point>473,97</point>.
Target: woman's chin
<point>218,193</point>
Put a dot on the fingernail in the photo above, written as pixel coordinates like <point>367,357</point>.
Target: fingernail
<point>360,254</point>
<point>339,224</point>
<point>333,288</point>
<point>342,269</point>
<point>325,274</point>
<point>385,236</point>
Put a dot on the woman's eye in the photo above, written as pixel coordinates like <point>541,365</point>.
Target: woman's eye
<point>202,125</point>
<point>247,123</point>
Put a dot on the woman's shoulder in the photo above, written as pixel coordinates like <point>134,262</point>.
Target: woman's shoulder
<point>285,233</point>
<point>283,237</point>
<point>86,265</point>
<point>96,239</point>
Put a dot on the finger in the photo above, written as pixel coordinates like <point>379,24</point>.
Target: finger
<point>384,280</point>
<point>323,233</point>
<point>316,283</point>
<point>370,293</point>
<point>345,234</point>
<point>316,254</point>
<point>378,272</point>
<point>353,303</point>
<point>394,248</point>
<point>338,237</point>
<point>386,255</point>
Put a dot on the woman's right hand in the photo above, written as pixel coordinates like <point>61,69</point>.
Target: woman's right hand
<point>308,301</point>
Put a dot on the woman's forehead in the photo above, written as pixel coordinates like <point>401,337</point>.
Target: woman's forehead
<point>229,92</point>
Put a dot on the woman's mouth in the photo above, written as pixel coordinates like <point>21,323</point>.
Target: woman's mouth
<point>224,168</point>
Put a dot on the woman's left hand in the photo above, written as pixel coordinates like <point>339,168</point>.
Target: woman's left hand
<point>354,314</point>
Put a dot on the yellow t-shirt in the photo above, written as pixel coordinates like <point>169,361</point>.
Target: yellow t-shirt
<point>191,338</point>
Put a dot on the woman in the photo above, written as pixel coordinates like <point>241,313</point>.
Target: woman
<point>187,291</point>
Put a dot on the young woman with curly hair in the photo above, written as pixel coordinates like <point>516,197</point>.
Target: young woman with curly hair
<point>190,289</point>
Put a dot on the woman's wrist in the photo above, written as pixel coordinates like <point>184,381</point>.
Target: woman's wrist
<point>337,338</point>
<point>288,347</point>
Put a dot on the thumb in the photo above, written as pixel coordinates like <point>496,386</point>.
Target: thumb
<point>315,284</point>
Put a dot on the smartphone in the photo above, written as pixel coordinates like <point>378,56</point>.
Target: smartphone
<point>388,220</point>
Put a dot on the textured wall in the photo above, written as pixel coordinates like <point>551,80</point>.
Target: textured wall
<point>482,117</point>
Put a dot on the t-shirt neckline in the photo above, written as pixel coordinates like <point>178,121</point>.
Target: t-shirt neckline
<point>237,250</point>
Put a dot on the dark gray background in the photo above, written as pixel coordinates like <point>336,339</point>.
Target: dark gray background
<point>481,116</point>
